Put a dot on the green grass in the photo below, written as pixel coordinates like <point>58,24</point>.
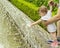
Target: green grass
<point>28,8</point>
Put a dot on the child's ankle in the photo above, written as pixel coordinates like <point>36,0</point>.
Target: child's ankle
<point>55,41</point>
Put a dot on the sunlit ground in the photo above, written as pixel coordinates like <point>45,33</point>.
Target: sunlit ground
<point>1,46</point>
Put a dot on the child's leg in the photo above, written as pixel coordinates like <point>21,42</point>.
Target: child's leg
<point>53,35</point>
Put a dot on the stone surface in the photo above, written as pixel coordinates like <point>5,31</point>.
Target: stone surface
<point>10,36</point>
<point>15,32</point>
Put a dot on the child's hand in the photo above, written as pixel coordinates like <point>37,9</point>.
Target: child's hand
<point>51,3</point>
<point>29,25</point>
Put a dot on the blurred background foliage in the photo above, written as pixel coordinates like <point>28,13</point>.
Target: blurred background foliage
<point>40,2</point>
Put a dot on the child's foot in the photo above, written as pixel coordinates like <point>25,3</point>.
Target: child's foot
<point>50,41</point>
<point>54,44</point>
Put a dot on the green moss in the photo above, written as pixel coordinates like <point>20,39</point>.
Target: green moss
<point>28,8</point>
